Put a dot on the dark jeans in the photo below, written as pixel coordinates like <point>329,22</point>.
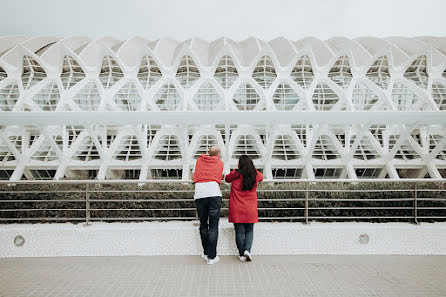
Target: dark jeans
<point>244,234</point>
<point>209,213</point>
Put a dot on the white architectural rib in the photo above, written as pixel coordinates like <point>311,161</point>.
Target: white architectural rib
<point>145,109</point>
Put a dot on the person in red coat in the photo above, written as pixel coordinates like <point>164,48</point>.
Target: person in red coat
<point>243,204</point>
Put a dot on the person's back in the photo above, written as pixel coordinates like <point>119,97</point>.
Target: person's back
<point>243,204</point>
<point>207,177</point>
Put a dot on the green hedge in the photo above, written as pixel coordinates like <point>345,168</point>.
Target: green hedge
<point>154,196</point>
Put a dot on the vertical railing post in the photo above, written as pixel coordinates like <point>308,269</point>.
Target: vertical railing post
<point>306,203</point>
<point>415,203</point>
<point>87,205</point>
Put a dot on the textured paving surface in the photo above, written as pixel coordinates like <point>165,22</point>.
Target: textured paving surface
<point>189,276</point>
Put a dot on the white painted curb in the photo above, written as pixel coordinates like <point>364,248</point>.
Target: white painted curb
<point>182,238</point>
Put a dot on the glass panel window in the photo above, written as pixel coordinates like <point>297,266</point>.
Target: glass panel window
<point>9,96</point>
<point>302,73</point>
<point>226,73</point>
<point>341,73</point>
<point>264,72</point>
<point>187,72</point>
<point>149,72</point>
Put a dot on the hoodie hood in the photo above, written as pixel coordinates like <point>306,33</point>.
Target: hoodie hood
<point>207,158</point>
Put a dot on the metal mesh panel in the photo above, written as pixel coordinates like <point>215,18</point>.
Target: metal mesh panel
<point>403,97</point>
<point>327,173</point>
<point>72,72</point>
<point>246,97</point>
<point>87,150</point>
<point>264,72</point>
<point>246,145</point>
<point>434,141</point>
<point>363,98</point>
<point>285,98</point>
<point>110,73</point>
<point>405,151</point>
<point>287,173</point>
<point>187,72</point>
<point>365,149</point>
<point>9,96</point>
<point>32,73</point>
<point>207,98</point>
<point>48,97</point>
<point>368,172</point>
<point>3,74</point>
<point>439,95</point>
<point>285,148</point>
<point>302,73</point>
<point>226,73</point>
<point>378,73</point>
<point>167,97</point>
<point>324,98</point>
<point>128,149</point>
<point>46,152</point>
<point>88,97</point>
<point>149,72</point>
<point>128,98</point>
<point>341,73</point>
<point>168,148</point>
<point>324,149</point>
<point>417,72</point>
<point>204,143</point>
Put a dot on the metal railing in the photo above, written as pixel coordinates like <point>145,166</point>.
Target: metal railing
<point>376,200</point>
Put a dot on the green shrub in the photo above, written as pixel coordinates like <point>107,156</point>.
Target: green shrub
<point>277,202</point>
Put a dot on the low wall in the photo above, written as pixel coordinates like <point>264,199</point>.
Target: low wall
<point>182,238</point>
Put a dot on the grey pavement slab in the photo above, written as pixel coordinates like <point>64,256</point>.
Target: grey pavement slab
<point>270,276</point>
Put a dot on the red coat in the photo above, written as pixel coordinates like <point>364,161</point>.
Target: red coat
<point>242,204</point>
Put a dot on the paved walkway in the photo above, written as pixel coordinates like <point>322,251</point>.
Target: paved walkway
<point>271,276</point>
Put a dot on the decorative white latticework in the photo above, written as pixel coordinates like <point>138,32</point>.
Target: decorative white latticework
<point>108,109</point>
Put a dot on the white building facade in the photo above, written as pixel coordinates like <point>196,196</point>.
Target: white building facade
<point>76,108</point>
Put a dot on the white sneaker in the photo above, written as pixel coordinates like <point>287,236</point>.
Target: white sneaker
<point>248,256</point>
<point>205,257</point>
<point>213,261</point>
<point>242,258</point>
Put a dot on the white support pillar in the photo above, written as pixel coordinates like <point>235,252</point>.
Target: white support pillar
<point>60,172</point>
<point>18,172</point>
<point>393,174</point>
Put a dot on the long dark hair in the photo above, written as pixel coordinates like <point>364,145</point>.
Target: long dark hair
<point>248,172</point>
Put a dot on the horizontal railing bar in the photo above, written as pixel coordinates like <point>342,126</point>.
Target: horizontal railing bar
<point>40,219</point>
<point>41,191</point>
<point>191,200</point>
<point>223,191</point>
<point>142,218</point>
<point>359,199</point>
<point>143,200</point>
<point>167,181</point>
<point>362,217</point>
<point>141,209</point>
<point>41,200</point>
<point>282,218</point>
<point>433,217</point>
<point>358,208</point>
<point>41,209</point>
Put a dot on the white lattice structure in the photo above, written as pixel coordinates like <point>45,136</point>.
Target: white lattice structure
<point>77,108</point>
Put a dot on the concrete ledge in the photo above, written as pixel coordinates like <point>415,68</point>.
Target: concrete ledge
<point>182,238</point>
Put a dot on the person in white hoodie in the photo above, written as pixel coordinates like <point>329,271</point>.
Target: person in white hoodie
<point>207,177</point>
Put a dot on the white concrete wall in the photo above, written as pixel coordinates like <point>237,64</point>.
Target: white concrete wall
<point>210,19</point>
<point>182,238</point>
